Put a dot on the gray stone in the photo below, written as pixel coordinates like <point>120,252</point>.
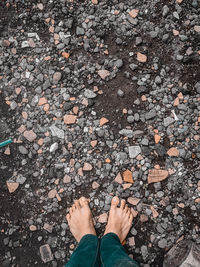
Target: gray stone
<point>120,93</point>
<point>197,174</point>
<point>23,150</point>
<point>138,40</point>
<point>21,179</point>
<point>55,131</point>
<point>165,11</point>
<point>197,87</point>
<point>133,66</point>
<point>46,254</point>
<point>130,119</point>
<point>142,89</point>
<point>53,147</point>
<point>136,117</point>
<point>134,151</point>
<point>119,63</point>
<point>145,142</point>
<point>57,76</point>
<point>162,243</point>
<point>168,121</point>
<point>89,93</point>
<point>80,31</point>
<point>125,132</point>
<point>150,115</point>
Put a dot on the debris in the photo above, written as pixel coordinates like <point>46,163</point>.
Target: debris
<point>128,176</point>
<point>6,142</point>
<point>155,175</point>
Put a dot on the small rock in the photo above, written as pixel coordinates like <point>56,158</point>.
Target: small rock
<point>87,167</point>
<point>80,31</point>
<point>128,176</point>
<point>131,241</point>
<point>120,93</point>
<point>66,179</point>
<point>133,13</point>
<point>33,228</point>
<point>57,76</point>
<point>173,152</point>
<point>55,131</point>
<point>23,150</point>
<point>95,185</point>
<point>52,193</point>
<point>89,94</point>
<point>103,121</point>
<point>12,187</point>
<point>118,178</point>
<point>134,151</point>
<point>133,66</point>
<point>46,254</point>
<point>119,63</point>
<point>40,6</point>
<point>48,227</point>
<point>141,57</point>
<point>162,243</point>
<point>70,119</point>
<point>103,73</point>
<point>103,218</point>
<point>30,135</point>
<point>168,121</point>
<point>150,115</point>
<point>155,175</point>
<point>133,200</point>
<point>53,147</point>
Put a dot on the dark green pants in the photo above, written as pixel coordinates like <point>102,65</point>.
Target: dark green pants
<point>107,252</point>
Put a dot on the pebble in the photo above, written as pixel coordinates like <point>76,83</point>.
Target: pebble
<point>89,94</point>
<point>23,150</point>
<point>134,151</point>
<point>46,254</point>
<point>30,135</point>
<point>53,147</point>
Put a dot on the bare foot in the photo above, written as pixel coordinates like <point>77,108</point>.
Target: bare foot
<point>80,220</point>
<point>120,219</point>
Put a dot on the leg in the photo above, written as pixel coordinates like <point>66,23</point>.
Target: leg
<point>81,225</point>
<point>119,223</point>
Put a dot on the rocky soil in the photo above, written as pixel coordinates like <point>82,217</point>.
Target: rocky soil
<point>100,98</point>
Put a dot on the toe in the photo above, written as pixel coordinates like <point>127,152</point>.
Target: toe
<point>83,201</point>
<point>123,203</point>
<point>76,203</point>
<point>126,208</point>
<point>115,201</point>
<point>68,217</point>
<point>131,218</point>
<point>70,211</point>
<point>73,207</point>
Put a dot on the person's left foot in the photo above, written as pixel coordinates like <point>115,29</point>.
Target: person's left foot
<point>80,219</point>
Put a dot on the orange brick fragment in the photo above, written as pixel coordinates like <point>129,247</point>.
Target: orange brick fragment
<point>93,143</point>
<point>128,176</point>
<point>42,101</point>
<point>103,121</point>
<point>173,152</point>
<point>65,54</point>
<point>141,57</point>
<point>176,102</point>
<point>157,138</point>
<point>69,119</point>
<point>133,13</point>
<point>155,175</point>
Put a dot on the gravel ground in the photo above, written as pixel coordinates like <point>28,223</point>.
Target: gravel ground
<point>101,98</point>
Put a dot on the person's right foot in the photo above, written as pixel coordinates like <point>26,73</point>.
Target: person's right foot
<point>120,219</point>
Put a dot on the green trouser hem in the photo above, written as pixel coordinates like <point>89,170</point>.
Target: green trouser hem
<point>106,253</point>
<point>113,254</point>
<point>86,254</point>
